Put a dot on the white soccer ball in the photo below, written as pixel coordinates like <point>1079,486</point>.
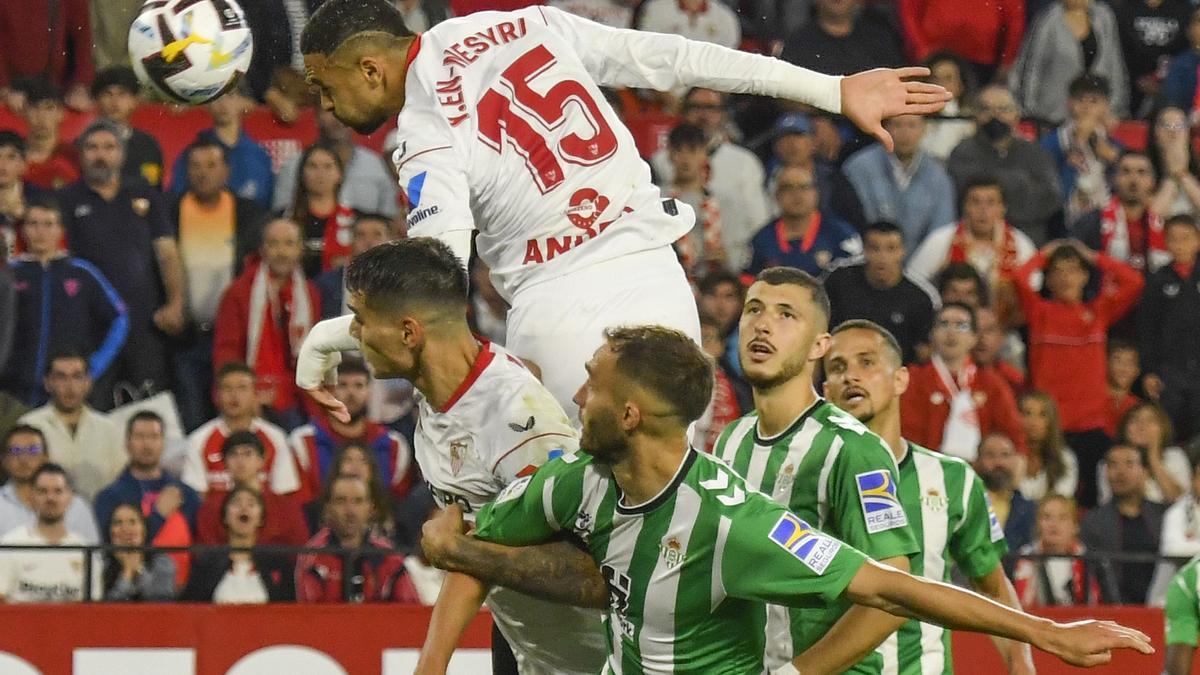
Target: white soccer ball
<point>190,51</point>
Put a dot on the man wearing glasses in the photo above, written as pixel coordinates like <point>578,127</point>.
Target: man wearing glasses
<point>802,237</point>
<point>25,452</point>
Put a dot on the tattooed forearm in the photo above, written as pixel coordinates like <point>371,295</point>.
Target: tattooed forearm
<point>558,571</point>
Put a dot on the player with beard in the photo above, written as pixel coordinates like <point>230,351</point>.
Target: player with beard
<point>690,554</point>
<point>945,501</point>
<point>816,460</point>
<point>484,420</point>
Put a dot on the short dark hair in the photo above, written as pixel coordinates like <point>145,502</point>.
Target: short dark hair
<point>11,139</point>
<point>963,271</point>
<point>1143,455</point>
<point>236,490</point>
<point>235,367</point>
<point>47,203</point>
<point>667,363</point>
<point>960,306</point>
<point>39,89</point>
<point>51,468</point>
<point>883,227</point>
<point>1118,345</point>
<point>115,76</point>
<point>686,136</point>
<point>982,181</point>
<point>206,142</point>
<point>240,438</point>
<point>67,355</point>
<point>1066,254</point>
<point>420,270</point>
<point>1182,219</point>
<point>24,429</point>
<point>868,325</point>
<point>145,416</point>
<point>1089,83</point>
<point>708,284</point>
<point>353,366</point>
<point>337,21</point>
<point>781,276</point>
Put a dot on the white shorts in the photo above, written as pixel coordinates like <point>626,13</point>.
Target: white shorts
<point>560,323</point>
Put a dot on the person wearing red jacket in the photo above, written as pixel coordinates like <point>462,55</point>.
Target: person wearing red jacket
<point>51,39</point>
<point>951,403</point>
<point>379,574</point>
<point>263,317</point>
<point>988,36</point>
<point>245,458</point>
<point>1068,338</point>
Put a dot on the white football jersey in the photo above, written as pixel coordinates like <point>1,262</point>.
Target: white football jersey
<point>504,129</point>
<point>502,424</point>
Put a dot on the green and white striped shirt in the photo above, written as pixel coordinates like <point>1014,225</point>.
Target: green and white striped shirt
<point>1183,605</point>
<point>952,518</point>
<point>688,572</point>
<point>833,472</point>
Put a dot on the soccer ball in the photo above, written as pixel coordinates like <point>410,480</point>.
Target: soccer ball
<point>190,51</point>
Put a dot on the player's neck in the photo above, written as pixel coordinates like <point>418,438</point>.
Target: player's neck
<point>395,96</point>
<point>886,424</point>
<point>649,467</point>
<point>446,363</point>
<point>780,405</point>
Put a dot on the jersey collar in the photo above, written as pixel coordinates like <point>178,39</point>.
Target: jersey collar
<point>665,494</point>
<point>482,361</point>
<point>412,52</point>
<point>791,428</point>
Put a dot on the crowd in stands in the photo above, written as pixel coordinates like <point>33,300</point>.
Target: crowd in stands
<point>1033,248</point>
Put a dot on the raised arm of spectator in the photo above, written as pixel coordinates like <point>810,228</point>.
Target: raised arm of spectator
<point>1021,279</point>
<point>1127,287</point>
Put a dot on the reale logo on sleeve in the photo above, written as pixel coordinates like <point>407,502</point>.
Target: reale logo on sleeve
<point>809,546</point>
<point>881,507</point>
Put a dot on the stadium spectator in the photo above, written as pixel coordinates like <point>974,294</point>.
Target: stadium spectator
<point>844,37</point>
<point>48,40</point>
<point>11,410</point>
<point>1179,83</point>
<point>168,504</point>
<point>366,186</point>
<point>1180,536</point>
<point>16,194</point>
<point>369,230</point>
<point>275,26</point>
<point>1169,337</point>
<point>794,144</point>
<point>111,20</point>
<point>611,13</point>
<point>721,297</point>
<point>488,312</point>
<point>1123,371</point>
<point>135,576</point>
<point>988,353</point>
<point>996,465</point>
<point>1129,523</point>
<point>1152,31</point>
<point>238,410</point>
<point>951,403</point>
<point>379,574</point>
<point>421,15</point>
<point>701,250</point>
<point>41,576</point>
<point>1049,465</point>
<point>218,232</point>
<point>983,237</point>
<point>398,522</point>
<point>121,227</point>
<point>25,451</point>
<point>1068,39</point>
<point>251,174</point>
<point>236,576</point>
<point>324,220</point>
<point>51,163</point>
<point>1021,167</point>
<point>736,173</point>
<point>693,19</point>
<point>1175,163</point>
<point>906,186</point>
<point>83,441</point>
<point>244,456</point>
<point>1168,477</point>
<point>63,304</point>
<point>316,444</point>
<point>960,282</point>
<point>1060,581</point>
<point>1067,335</point>
<point>1081,147</point>
<point>731,394</point>
<point>987,38</point>
<point>264,316</point>
<point>116,93</point>
<point>802,237</point>
<point>955,122</point>
<point>877,288</point>
<point>1127,228</point>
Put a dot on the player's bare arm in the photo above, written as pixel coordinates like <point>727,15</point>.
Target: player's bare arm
<point>457,604</point>
<point>1179,659</point>
<point>556,571</point>
<point>1083,643</point>
<point>995,585</point>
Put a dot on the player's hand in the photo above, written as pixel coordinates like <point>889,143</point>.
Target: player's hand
<point>316,364</point>
<point>440,533</point>
<point>323,396</point>
<point>1090,643</point>
<point>872,96</point>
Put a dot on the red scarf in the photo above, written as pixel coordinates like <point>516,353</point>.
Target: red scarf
<point>1144,248</point>
<point>339,235</point>
<point>1004,242</point>
<point>707,256</point>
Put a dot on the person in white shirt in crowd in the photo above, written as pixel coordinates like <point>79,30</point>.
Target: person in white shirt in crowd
<point>47,576</point>
<point>611,13</point>
<point>84,442</point>
<point>1180,536</point>
<point>24,449</point>
<point>700,20</point>
<point>701,250</point>
<point>1049,466</point>
<point>956,122</point>
<point>1168,470</point>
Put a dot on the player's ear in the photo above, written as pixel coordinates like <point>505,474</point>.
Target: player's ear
<point>820,346</point>
<point>371,69</point>
<point>411,332</point>
<point>632,417</point>
<point>900,381</point>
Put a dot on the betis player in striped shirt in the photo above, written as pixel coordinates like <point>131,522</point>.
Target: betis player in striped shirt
<point>687,553</point>
<point>816,460</point>
<point>945,501</point>
<point>1183,619</point>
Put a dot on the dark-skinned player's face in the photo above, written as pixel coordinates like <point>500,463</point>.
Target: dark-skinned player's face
<point>354,91</point>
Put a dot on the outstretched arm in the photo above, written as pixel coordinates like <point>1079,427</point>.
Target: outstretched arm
<point>996,586</point>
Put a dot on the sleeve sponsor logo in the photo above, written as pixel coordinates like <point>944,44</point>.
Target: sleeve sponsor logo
<point>881,508</point>
<point>997,532</point>
<point>804,542</point>
<point>412,192</point>
<point>514,490</point>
